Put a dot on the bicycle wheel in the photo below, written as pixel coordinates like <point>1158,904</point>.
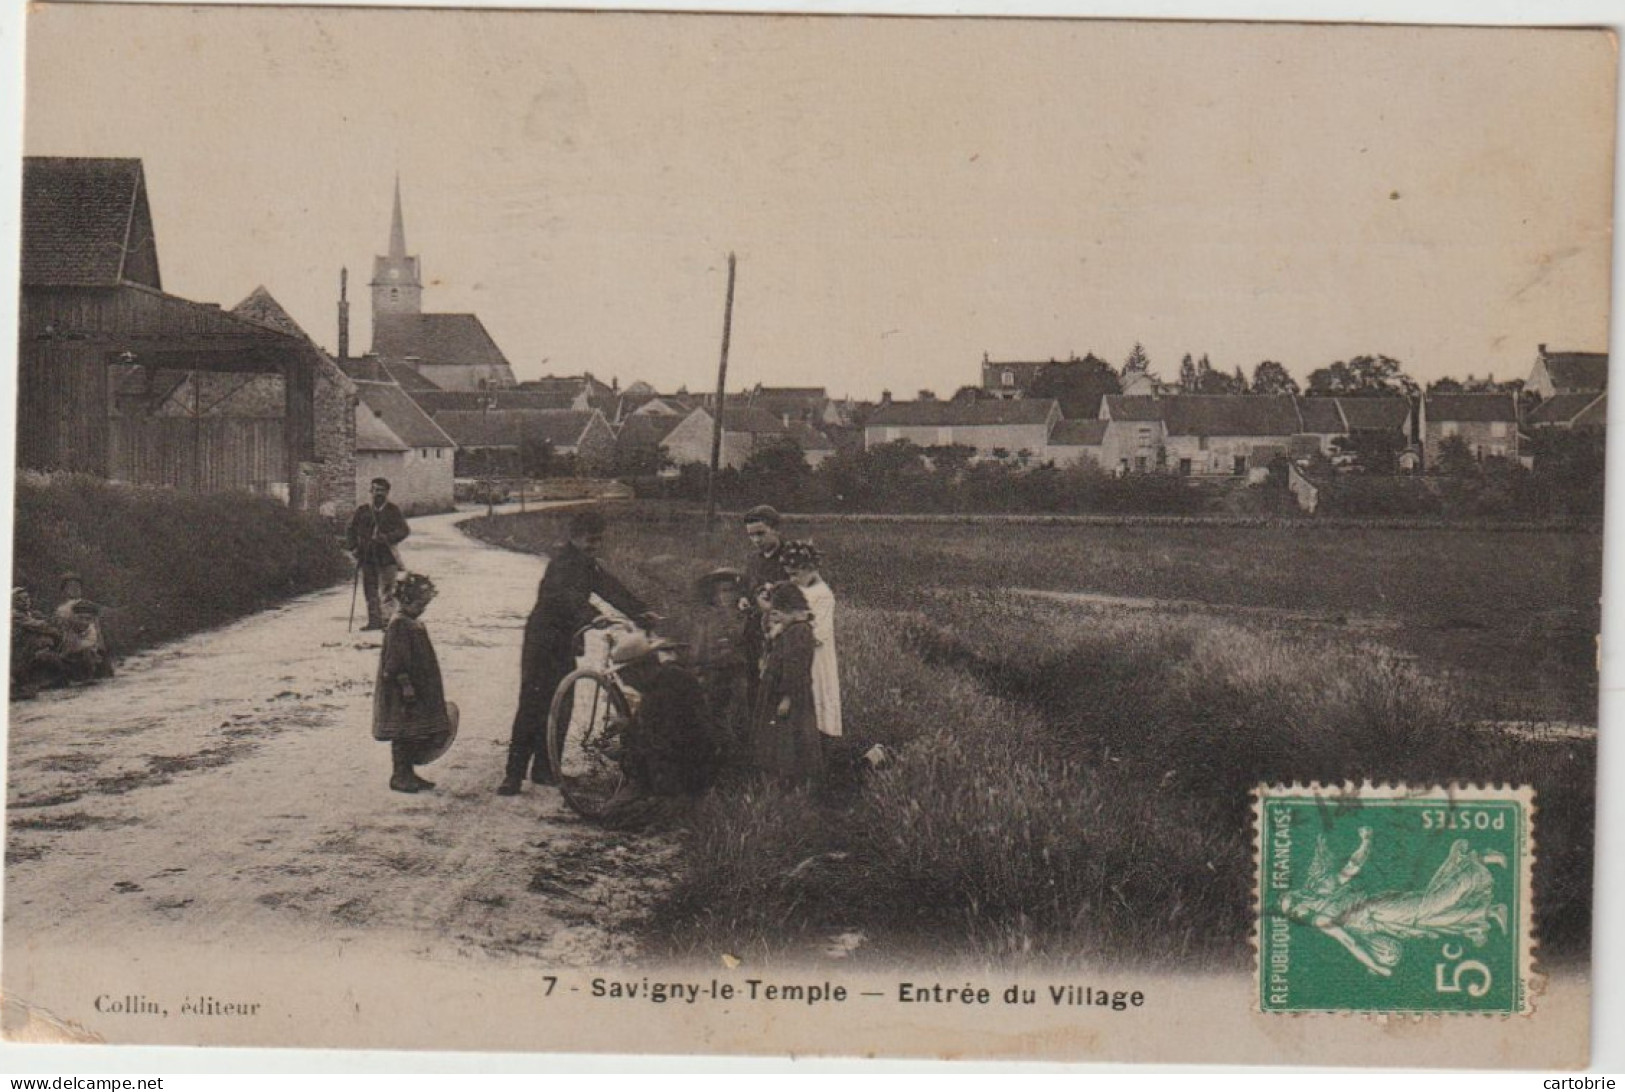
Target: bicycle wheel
<point>584,728</point>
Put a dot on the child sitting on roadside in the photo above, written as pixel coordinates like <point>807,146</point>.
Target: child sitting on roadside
<point>409,707</point>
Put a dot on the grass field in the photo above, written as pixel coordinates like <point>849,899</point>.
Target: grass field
<point>1074,774</point>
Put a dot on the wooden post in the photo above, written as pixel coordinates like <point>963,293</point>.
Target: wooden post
<point>722,394</point>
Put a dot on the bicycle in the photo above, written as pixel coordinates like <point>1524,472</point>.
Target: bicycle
<point>591,710</point>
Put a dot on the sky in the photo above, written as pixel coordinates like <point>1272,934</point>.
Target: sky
<point>904,195</point>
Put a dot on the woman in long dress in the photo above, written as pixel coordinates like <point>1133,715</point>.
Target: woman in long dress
<point>801,560</point>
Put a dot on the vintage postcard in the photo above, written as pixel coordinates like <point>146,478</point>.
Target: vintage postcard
<point>850,536</point>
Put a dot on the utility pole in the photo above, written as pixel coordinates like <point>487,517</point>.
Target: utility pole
<point>722,394</point>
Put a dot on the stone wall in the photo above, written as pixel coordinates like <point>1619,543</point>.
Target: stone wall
<point>333,474</point>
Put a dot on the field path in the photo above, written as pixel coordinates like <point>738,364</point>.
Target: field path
<point>226,788</point>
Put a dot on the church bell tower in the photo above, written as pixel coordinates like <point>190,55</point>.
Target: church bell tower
<point>397,288</point>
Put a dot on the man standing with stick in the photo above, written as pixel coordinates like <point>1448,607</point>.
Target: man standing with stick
<point>374,532</point>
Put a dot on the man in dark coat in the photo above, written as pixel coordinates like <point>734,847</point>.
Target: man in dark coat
<point>763,570</point>
<point>374,532</point>
<point>562,608</point>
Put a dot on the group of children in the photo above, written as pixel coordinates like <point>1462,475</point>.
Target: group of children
<point>67,646</point>
<point>777,713</point>
<point>776,694</point>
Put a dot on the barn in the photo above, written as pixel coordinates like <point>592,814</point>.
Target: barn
<point>119,379</point>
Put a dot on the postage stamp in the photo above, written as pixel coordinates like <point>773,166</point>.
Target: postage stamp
<point>1394,899</point>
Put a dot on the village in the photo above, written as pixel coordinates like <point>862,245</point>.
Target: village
<point>120,380</point>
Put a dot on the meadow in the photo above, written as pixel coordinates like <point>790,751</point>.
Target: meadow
<point>1073,774</point>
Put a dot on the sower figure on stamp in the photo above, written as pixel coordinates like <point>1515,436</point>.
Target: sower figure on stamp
<point>762,571</point>
<point>563,607</point>
<point>374,532</point>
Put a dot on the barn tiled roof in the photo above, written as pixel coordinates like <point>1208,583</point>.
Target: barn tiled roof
<point>560,384</point>
<point>1230,415</point>
<point>993,412</point>
<point>395,409</point>
<point>1373,414</point>
<point>435,339</point>
<point>1132,407</point>
<point>436,402</point>
<point>388,371</point>
<point>750,419</point>
<point>645,429</point>
<point>509,428</point>
<point>1320,416</point>
<point>1470,407</point>
<point>81,220</point>
<point>1593,416</point>
<point>261,307</point>
<point>1577,371</point>
<point>1085,432</point>
<point>1560,409</point>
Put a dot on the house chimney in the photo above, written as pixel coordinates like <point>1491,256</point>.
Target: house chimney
<point>885,398</point>
<point>1542,348</point>
<point>344,313</point>
<point>928,396</point>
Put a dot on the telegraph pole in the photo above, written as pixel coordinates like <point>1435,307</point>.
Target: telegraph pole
<point>722,394</point>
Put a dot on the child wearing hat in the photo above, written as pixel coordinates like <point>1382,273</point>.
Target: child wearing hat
<point>785,725</point>
<point>409,707</point>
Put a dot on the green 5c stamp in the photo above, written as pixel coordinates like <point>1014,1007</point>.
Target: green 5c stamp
<point>1394,899</point>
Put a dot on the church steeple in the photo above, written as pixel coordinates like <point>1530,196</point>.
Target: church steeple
<point>397,228</point>
<point>397,288</point>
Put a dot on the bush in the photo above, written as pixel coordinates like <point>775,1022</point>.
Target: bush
<point>166,563</point>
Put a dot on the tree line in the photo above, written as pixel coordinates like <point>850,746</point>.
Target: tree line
<point>1079,384</point>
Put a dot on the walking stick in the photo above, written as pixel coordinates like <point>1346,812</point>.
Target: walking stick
<point>355,586</point>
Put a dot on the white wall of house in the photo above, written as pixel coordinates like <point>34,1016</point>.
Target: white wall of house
<point>1132,445</point>
<point>1223,454</point>
<point>420,479</point>
<point>1075,454</point>
<point>1485,439</point>
<point>690,442</point>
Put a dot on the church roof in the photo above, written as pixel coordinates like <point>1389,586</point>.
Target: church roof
<point>435,339</point>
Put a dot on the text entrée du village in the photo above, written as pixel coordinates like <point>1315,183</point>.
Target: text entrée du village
<point>827,992</point>
<point>647,990</point>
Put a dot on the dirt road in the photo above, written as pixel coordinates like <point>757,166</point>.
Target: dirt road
<point>226,789</point>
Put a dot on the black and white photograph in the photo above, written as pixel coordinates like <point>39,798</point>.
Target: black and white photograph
<point>853,536</point>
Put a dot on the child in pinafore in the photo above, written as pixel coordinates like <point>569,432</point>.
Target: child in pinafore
<point>409,707</point>
<point>785,724</point>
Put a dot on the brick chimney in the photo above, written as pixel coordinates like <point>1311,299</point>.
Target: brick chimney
<point>344,313</point>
